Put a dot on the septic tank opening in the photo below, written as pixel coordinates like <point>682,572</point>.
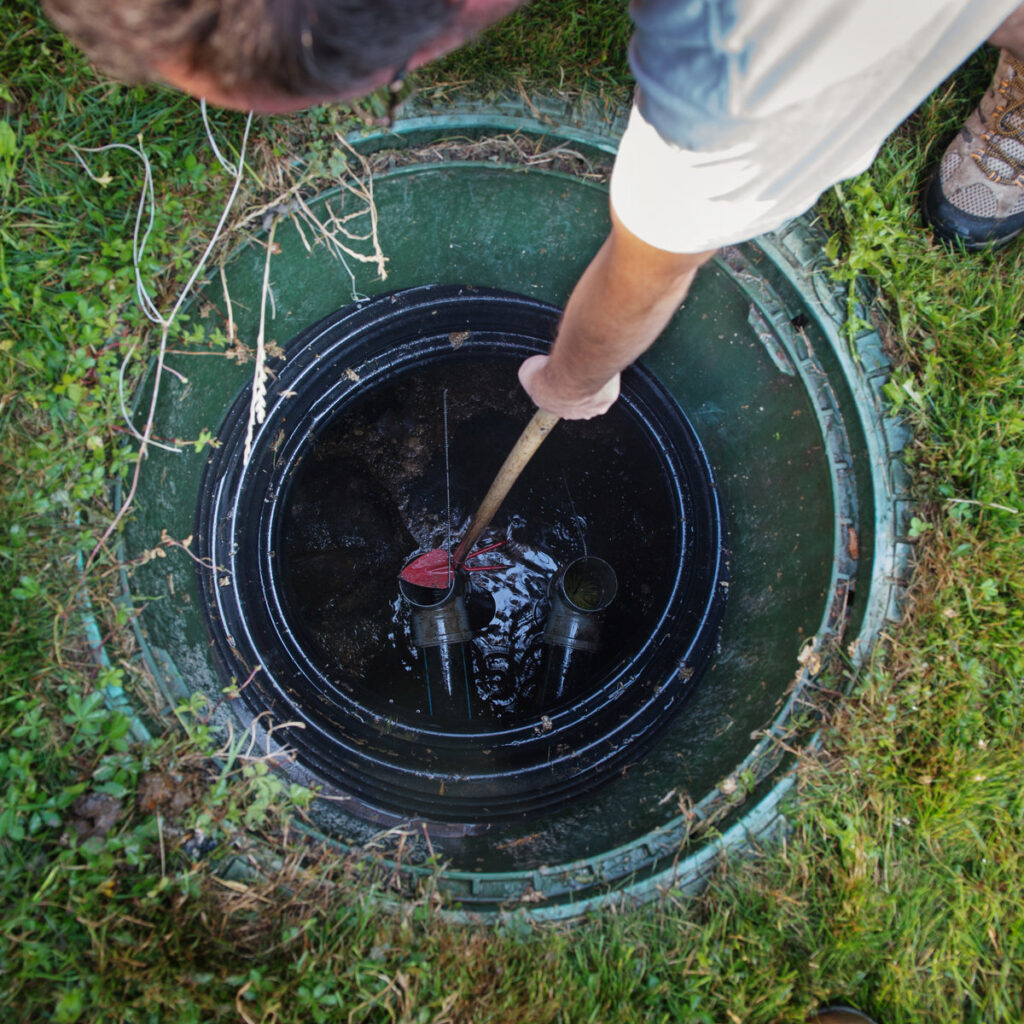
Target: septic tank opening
<point>785,395</point>
<point>530,682</point>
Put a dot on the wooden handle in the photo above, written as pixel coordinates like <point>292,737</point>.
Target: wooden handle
<point>529,441</point>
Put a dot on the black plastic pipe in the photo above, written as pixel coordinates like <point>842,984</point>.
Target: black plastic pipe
<point>441,632</point>
<point>580,594</point>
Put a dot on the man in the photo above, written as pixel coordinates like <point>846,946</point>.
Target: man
<point>746,111</point>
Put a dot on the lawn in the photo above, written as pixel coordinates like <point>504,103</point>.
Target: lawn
<point>897,888</point>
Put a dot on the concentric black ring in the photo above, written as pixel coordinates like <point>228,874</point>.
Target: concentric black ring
<point>404,766</point>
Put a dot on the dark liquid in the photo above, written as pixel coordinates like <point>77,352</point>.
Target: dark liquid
<point>370,494</point>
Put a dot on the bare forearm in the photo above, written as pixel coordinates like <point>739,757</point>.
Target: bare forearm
<point>619,307</point>
<point>612,317</point>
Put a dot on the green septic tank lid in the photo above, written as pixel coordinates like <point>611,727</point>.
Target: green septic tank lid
<point>789,411</point>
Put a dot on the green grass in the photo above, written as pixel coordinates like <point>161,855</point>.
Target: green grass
<point>549,43</point>
<point>898,888</point>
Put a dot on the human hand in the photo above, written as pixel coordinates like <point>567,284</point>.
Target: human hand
<point>562,398</point>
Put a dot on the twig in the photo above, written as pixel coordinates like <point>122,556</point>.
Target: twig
<point>364,191</point>
<point>229,167</point>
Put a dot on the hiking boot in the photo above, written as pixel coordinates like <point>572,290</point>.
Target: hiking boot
<point>976,197</point>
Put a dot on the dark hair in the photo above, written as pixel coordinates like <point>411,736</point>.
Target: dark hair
<point>287,47</point>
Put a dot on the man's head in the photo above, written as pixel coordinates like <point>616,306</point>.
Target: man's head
<point>270,55</point>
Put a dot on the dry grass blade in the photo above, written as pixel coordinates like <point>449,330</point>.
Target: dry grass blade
<point>258,404</point>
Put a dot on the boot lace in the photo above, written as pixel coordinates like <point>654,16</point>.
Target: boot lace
<point>1004,141</point>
